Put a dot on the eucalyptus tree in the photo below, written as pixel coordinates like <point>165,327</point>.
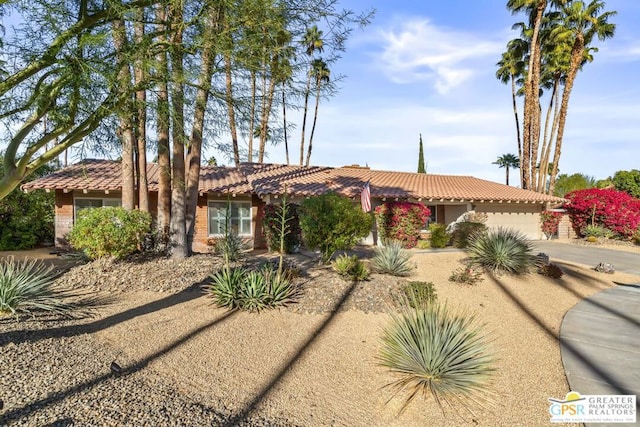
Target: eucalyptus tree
<point>60,69</point>
<point>312,43</point>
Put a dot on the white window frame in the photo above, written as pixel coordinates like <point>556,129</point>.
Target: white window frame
<point>243,203</point>
<point>110,200</point>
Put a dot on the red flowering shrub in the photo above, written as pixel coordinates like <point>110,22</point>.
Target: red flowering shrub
<point>401,221</point>
<point>614,210</point>
<point>550,221</point>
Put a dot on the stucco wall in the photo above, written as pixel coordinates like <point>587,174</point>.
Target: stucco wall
<point>524,217</point>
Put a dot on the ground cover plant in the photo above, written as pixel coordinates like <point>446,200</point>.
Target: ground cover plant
<point>393,259</point>
<point>330,222</point>
<point>28,287</point>
<point>109,232</point>
<point>434,350</point>
<point>502,250</point>
<point>468,274</point>
<point>401,221</point>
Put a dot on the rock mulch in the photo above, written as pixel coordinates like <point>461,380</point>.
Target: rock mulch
<point>55,373</point>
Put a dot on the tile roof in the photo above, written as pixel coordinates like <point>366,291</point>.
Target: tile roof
<point>265,179</point>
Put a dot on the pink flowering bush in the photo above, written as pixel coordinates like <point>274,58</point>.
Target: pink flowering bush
<point>401,221</point>
<point>614,210</point>
<point>550,221</point>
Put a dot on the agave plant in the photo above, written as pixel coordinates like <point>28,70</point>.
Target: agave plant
<point>28,286</point>
<point>225,286</point>
<point>351,267</point>
<point>253,293</point>
<point>280,288</point>
<point>435,351</point>
<point>393,259</point>
<point>502,250</point>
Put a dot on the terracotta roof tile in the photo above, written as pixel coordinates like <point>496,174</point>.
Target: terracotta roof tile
<point>264,179</point>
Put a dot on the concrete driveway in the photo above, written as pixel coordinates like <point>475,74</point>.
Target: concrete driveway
<point>626,262</point>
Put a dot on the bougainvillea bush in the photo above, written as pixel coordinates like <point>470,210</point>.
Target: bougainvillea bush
<point>550,221</point>
<point>401,221</point>
<point>614,210</point>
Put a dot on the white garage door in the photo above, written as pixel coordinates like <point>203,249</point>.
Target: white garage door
<point>522,217</point>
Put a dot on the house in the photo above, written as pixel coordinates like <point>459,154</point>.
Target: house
<point>96,183</point>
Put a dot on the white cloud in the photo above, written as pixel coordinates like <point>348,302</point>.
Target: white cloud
<point>418,50</point>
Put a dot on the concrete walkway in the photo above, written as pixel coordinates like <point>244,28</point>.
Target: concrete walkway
<point>600,336</point>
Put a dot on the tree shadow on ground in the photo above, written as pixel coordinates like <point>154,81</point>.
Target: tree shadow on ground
<point>52,398</point>
<point>598,371</point>
<point>18,336</point>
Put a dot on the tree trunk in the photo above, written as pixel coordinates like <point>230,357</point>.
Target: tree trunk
<point>576,58</point>
<point>542,172</point>
<point>284,122</point>
<point>252,115</point>
<point>231,110</point>
<point>313,127</point>
<point>506,169</point>
<point>304,117</point>
<point>141,104</point>
<point>515,114</point>
<point>179,246</point>
<point>266,113</point>
<point>194,155</point>
<point>162,130</point>
<point>125,124</point>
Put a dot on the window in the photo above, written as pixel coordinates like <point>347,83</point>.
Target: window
<point>80,204</point>
<point>433,217</point>
<point>239,217</point>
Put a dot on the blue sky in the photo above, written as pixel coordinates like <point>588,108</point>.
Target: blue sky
<point>429,67</point>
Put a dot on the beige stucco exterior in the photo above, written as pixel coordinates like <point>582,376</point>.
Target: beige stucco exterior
<point>524,217</point>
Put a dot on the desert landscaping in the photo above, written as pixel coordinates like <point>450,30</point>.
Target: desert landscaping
<point>186,362</point>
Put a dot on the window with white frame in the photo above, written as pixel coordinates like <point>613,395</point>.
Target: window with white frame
<point>239,217</point>
<point>93,202</point>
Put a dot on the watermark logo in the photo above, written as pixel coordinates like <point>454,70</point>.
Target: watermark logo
<point>577,408</point>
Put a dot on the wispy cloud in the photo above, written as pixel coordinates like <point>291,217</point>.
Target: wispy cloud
<point>416,50</point>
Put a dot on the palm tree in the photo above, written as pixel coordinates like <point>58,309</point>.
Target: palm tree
<point>322,76</point>
<point>507,161</point>
<point>581,24</point>
<point>510,68</point>
<point>312,43</point>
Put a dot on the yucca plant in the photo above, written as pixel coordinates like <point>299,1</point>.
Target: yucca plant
<point>225,286</point>
<point>502,250</point>
<point>435,351</point>
<point>393,259</point>
<point>280,288</point>
<point>28,287</point>
<point>253,292</point>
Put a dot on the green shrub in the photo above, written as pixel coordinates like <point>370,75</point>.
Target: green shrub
<point>433,350</point>
<point>109,231</point>
<point>273,222</point>
<point>350,267</point>
<point>401,221</point>
<point>251,290</point>
<point>423,244</point>
<point>439,237</point>
<point>464,232</point>
<point>419,294</point>
<point>550,270</point>
<point>330,223</point>
<point>393,259</point>
<point>28,286</point>
<point>502,250</point>
<point>592,239</point>
<point>466,274</point>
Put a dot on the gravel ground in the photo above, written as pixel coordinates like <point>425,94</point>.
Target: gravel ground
<point>186,362</point>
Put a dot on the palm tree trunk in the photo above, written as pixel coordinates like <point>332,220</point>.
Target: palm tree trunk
<point>265,119</point>
<point>231,110</point>
<point>304,117</point>
<point>125,123</point>
<point>195,144</point>
<point>542,173</point>
<point>313,127</point>
<point>162,130</point>
<point>141,104</point>
<point>506,169</point>
<point>252,115</point>
<point>515,115</point>
<point>576,58</point>
<point>179,245</point>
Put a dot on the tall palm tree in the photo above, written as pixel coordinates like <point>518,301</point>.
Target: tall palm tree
<point>581,24</point>
<point>510,68</point>
<point>322,76</point>
<point>312,42</point>
<point>507,161</point>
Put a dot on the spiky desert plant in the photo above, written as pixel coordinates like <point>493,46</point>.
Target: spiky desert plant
<point>393,259</point>
<point>502,250</point>
<point>28,287</point>
<point>225,286</point>
<point>350,267</point>
<point>253,292</point>
<point>281,290</point>
<point>434,350</point>
<point>419,294</point>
